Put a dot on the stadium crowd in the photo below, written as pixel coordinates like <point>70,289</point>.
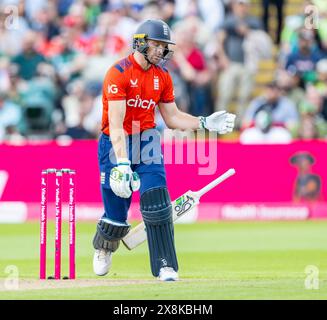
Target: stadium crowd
<point>54,55</point>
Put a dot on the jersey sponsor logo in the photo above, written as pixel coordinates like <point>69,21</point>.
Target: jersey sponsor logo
<point>140,103</point>
<point>156,83</point>
<point>134,83</point>
<point>112,88</point>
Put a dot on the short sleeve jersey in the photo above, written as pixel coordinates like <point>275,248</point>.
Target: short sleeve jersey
<point>142,90</point>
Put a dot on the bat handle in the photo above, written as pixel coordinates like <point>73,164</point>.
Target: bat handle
<point>215,182</point>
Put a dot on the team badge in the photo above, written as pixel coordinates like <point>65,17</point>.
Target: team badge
<point>156,83</point>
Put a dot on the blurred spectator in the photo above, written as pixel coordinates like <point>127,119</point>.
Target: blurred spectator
<point>289,35</point>
<point>32,8</point>
<point>283,110</point>
<point>75,26</point>
<point>211,12</point>
<point>15,84</point>
<point>182,98</point>
<point>191,66</point>
<point>63,7</point>
<point>38,98</point>
<point>168,11</point>
<point>310,18</point>
<point>321,87</point>
<point>93,10</point>
<point>308,129</point>
<point>10,115</point>
<point>4,75</point>
<point>29,59</point>
<point>257,46</point>
<point>321,84</point>
<point>96,65</point>
<point>264,131</point>
<point>151,10</point>
<point>116,30</point>
<point>305,58</point>
<point>45,21</point>
<point>324,111</point>
<point>120,24</point>
<point>235,75</point>
<point>312,124</point>
<point>290,84</point>
<point>202,36</point>
<point>79,132</point>
<point>93,120</point>
<point>312,103</point>
<point>13,136</point>
<point>279,4</point>
<point>66,60</point>
<point>76,129</point>
<point>12,32</point>
<point>321,6</point>
<point>71,102</point>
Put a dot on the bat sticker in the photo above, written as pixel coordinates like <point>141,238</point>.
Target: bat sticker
<point>183,204</point>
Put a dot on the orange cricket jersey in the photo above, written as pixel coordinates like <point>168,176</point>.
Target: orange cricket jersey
<point>142,90</point>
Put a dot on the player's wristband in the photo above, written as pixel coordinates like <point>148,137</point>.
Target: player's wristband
<point>123,162</point>
<point>202,122</point>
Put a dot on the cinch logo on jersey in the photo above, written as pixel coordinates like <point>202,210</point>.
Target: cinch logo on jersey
<point>140,103</point>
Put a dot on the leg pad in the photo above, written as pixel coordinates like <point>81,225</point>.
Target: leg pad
<point>157,215</point>
<point>108,234</point>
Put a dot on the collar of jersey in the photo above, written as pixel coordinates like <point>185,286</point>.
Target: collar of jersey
<point>136,65</point>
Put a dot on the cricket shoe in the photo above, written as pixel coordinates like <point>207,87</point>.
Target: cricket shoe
<point>102,262</point>
<point>168,274</point>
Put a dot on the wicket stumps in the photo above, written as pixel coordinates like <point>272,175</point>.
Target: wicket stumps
<point>59,179</point>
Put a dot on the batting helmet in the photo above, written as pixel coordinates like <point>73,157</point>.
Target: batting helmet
<point>155,29</point>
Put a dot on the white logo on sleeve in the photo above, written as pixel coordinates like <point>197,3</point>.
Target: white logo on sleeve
<point>113,88</point>
<point>156,83</point>
<point>134,83</point>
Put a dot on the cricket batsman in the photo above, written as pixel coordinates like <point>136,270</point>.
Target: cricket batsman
<point>132,89</point>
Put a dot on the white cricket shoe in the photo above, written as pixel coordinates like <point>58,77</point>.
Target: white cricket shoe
<point>101,262</point>
<point>168,274</point>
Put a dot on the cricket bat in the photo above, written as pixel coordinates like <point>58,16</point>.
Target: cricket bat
<point>181,206</point>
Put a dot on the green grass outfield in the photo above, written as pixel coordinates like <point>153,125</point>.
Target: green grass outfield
<point>225,260</point>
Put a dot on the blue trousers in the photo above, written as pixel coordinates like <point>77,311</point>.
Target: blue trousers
<point>144,151</point>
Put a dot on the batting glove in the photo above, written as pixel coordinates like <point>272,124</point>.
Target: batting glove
<point>123,181</point>
<point>221,121</point>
